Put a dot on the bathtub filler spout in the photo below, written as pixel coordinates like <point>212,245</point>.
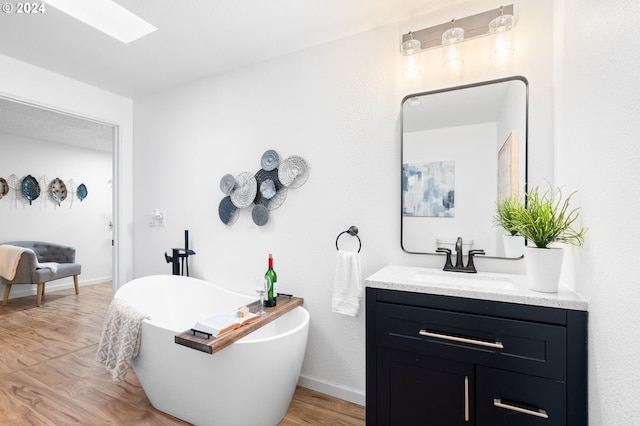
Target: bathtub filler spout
<point>180,258</point>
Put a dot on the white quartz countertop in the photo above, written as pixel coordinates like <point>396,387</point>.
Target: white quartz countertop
<point>510,288</point>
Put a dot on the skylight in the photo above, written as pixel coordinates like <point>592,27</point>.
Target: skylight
<point>106,16</point>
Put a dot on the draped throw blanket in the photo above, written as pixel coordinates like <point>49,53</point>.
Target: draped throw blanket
<point>48,265</point>
<point>120,341</point>
<point>9,259</point>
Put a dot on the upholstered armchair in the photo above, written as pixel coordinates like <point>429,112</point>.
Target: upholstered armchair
<point>39,262</point>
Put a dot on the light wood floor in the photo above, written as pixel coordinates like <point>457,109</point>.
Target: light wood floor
<point>49,376</point>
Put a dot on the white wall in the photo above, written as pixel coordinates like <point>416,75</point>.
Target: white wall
<point>338,106</point>
<point>597,126</point>
<point>83,225</point>
<point>27,83</point>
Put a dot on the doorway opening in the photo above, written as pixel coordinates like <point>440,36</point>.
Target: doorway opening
<point>53,145</point>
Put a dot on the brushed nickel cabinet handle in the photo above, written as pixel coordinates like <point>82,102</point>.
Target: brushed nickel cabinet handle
<point>497,345</point>
<point>466,398</point>
<point>540,413</point>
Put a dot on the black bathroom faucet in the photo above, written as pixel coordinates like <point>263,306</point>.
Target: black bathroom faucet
<point>459,266</point>
<point>180,257</point>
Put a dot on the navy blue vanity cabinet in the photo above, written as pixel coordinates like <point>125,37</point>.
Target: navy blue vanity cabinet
<point>416,389</point>
<point>442,361</point>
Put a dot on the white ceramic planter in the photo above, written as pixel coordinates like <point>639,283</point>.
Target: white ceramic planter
<point>543,268</point>
<point>513,245</point>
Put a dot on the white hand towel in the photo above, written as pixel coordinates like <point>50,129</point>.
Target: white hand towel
<point>347,284</point>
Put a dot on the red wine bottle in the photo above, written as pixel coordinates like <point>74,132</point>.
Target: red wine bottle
<point>272,277</point>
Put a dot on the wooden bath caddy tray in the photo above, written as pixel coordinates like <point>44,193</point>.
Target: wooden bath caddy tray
<point>214,344</point>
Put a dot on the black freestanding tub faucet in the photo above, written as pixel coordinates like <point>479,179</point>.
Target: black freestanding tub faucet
<point>180,257</point>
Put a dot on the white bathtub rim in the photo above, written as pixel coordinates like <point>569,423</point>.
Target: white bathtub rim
<point>180,277</point>
<point>246,339</point>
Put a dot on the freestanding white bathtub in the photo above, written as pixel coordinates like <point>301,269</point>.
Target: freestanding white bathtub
<point>250,382</point>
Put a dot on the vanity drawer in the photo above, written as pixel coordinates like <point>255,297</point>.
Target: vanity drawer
<point>509,399</point>
<point>515,345</point>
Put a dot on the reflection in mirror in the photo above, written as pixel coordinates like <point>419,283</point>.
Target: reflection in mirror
<point>463,149</point>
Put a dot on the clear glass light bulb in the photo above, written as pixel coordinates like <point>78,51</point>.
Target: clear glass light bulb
<point>452,48</point>
<point>501,30</point>
<point>410,59</point>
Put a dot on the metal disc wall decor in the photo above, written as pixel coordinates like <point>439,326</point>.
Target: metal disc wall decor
<point>260,215</point>
<point>269,160</point>
<point>82,192</point>
<point>30,188</point>
<point>4,187</point>
<point>245,190</point>
<point>266,190</point>
<point>263,176</point>
<point>227,182</point>
<point>58,190</point>
<point>272,175</point>
<point>227,211</point>
<point>293,172</point>
<point>278,199</point>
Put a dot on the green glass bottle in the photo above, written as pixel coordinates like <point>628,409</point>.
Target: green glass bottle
<point>272,277</point>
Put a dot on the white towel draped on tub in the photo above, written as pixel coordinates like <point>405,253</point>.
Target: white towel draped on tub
<point>347,284</point>
<point>120,340</point>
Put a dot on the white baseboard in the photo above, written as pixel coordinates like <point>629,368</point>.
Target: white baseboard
<point>334,389</point>
<point>20,290</point>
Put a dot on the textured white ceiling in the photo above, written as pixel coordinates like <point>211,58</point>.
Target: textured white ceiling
<point>31,122</point>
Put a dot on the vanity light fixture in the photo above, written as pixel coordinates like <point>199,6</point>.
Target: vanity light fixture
<point>450,37</point>
<point>452,47</point>
<point>410,60</point>
<point>501,30</point>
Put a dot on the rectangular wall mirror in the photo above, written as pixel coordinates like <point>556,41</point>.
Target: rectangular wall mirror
<point>462,149</point>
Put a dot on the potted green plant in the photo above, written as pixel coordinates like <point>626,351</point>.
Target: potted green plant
<point>512,241</point>
<point>547,219</point>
